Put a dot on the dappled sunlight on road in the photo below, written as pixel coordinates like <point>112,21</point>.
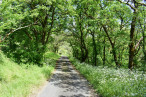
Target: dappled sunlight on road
<point>66,82</point>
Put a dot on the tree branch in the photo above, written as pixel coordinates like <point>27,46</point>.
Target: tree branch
<point>142,4</point>
<point>105,29</point>
<point>16,30</point>
<point>52,22</point>
<point>127,3</point>
<point>138,43</point>
<point>28,35</point>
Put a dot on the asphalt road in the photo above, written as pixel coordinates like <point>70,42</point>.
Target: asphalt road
<point>66,82</point>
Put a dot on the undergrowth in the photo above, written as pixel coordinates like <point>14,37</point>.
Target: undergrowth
<point>18,80</point>
<point>109,82</point>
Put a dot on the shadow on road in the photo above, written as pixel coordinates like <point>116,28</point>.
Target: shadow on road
<point>66,82</point>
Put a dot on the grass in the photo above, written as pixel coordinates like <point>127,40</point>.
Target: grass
<point>110,82</point>
<point>19,80</point>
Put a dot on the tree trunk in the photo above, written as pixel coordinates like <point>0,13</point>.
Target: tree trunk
<point>115,55</point>
<point>113,46</point>
<point>84,51</point>
<point>94,49</point>
<point>104,53</point>
<point>131,45</point>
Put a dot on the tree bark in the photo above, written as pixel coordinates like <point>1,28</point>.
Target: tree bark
<point>104,52</point>
<point>113,46</point>
<point>84,51</point>
<point>131,45</point>
<point>52,22</point>
<point>94,49</point>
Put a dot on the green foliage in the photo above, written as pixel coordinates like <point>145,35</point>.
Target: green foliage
<point>26,27</point>
<point>100,32</point>
<point>110,22</point>
<point>20,80</point>
<point>51,55</point>
<point>50,58</point>
<point>82,18</point>
<point>110,82</point>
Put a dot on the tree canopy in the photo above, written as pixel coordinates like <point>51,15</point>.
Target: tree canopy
<point>100,32</point>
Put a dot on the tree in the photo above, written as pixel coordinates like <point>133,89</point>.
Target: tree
<point>26,27</point>
<point>134,5</point>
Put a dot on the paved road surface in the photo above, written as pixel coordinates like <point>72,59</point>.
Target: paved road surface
<point>66,82</point>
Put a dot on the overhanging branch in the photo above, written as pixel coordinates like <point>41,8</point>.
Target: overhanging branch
<point>16,30</point>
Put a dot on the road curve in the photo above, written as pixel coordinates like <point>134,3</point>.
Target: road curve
<point>66,82</point>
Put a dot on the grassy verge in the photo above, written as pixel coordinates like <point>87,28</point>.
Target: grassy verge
<point>109,82</point>
<point>19,80</point>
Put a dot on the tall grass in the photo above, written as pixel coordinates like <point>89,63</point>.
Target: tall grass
<point>19,80</point>
<point>110,82</point>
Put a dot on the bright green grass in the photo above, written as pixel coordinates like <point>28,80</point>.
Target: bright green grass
<point>110,82</point>
<point>19,80</point>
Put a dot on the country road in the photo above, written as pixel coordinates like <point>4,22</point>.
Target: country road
<point>66,82</point>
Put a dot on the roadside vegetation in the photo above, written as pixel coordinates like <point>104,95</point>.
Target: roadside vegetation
<point>102,33</point>
<point>110,82</point>
<point>19,80</point>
